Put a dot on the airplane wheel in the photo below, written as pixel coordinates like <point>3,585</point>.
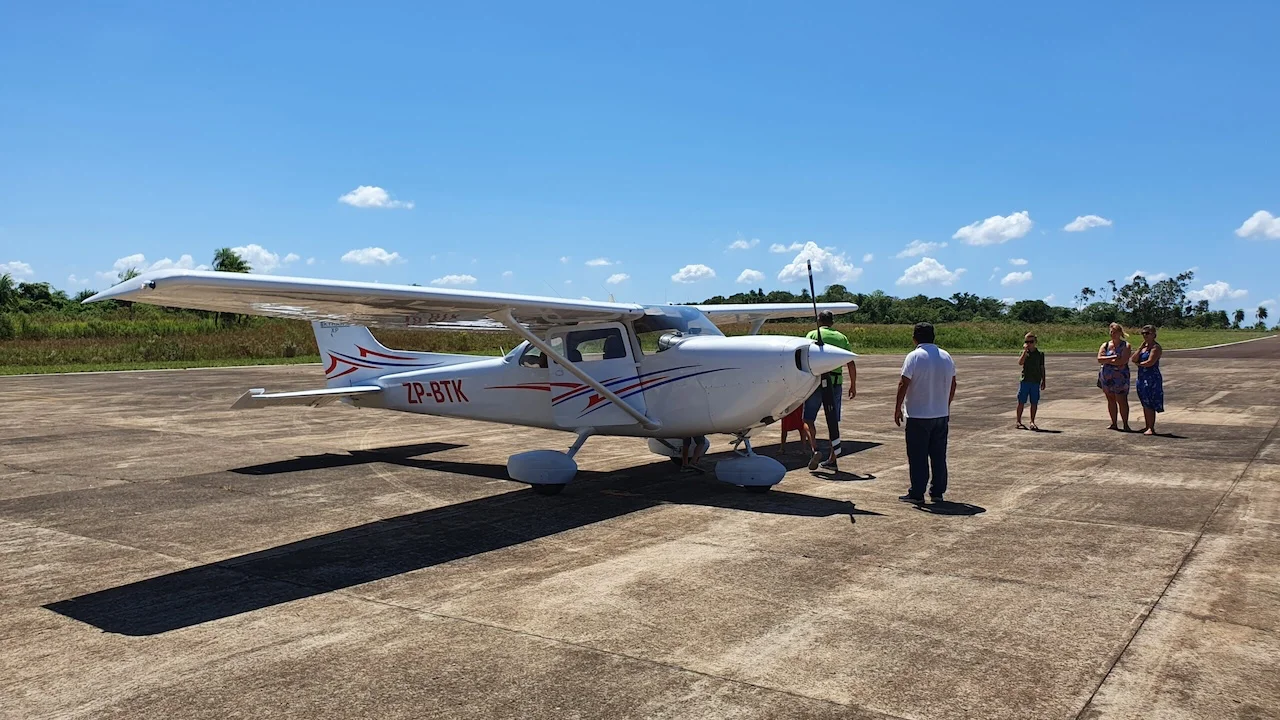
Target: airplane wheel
<point>757,488</point>
<point>548,489</point>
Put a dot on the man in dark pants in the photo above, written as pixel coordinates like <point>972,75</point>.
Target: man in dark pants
<point>927,387</point>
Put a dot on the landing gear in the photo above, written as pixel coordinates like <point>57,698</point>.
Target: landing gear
<point>547,471</point>
<point>756,473</point>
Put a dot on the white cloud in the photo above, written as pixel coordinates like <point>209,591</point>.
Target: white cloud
<point>996,229</point>
<point>779,248</point>
<point>1215,291</point>
<point>507,275</point>
<point>454,280</point>
<point>826,263</point>
<point>1150,277</point>
<point>259,258</point>
<point>564,259</point>
<point>868,258</point>
<point>138,262</point>
<point>73,280</point>
<point>693,273</point>
<point>185,262</point>
<point>311,261</point>
<point>1260,224</point>
<point>750,277</point>
<point>601,262</point>
<point>917,247</point>
<point>17,268</point>
<point>1017,261</point>
<point>1048,299</point>
<point>291,258</point>
<point>616,278</point>
<point>929,270</point>
<point>1084,222</point>
<point>1015,278</point>
<point>1267,303</point>
<point>744,244</point>
<point>568,282</point>
<point>371,256</point>
<point>372,196</point>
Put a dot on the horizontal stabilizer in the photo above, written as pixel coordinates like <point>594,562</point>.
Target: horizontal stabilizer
<point>260,398</point>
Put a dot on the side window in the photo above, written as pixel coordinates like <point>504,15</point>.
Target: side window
<point>533,358</point>
<point>589,345</point>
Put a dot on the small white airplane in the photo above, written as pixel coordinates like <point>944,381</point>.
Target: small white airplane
<point>663,372</point>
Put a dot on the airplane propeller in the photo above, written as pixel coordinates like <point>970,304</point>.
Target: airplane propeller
<point>827,378</point>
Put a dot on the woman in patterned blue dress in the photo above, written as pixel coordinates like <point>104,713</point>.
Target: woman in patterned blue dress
<point>1150,382</point>
<point>1113,375</point>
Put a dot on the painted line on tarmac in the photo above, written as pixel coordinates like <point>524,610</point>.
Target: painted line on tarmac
<point>121,372</point>
<point>1211,347</point>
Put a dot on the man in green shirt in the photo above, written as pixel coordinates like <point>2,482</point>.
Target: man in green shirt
<point>811,405</point>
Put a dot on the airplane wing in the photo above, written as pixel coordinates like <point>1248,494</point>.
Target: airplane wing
<point>751,312</point>
<point>357,303</point>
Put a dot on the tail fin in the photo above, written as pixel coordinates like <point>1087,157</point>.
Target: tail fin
<point>351,355</point>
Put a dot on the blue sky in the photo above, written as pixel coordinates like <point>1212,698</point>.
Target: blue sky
<point>530,139</point>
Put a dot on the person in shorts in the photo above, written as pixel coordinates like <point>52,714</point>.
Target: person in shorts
<point>688,462</point>
<point>1033,379</point>
<point>795,421</point>
<point>830,336</point>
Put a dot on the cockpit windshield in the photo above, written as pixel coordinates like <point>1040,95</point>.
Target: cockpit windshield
<point>661,320</point>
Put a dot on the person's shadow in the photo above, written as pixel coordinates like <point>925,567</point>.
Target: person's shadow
<point>946,507</point>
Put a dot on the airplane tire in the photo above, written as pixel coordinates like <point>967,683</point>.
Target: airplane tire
<point>548,489</point>
<point>757,488</point>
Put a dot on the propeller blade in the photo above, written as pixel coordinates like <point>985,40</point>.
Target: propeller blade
<point>814,297</point>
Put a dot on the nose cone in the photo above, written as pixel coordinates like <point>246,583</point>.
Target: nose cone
<point>828,357</point>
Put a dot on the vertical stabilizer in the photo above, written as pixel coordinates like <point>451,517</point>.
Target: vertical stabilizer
<point>351,355</point>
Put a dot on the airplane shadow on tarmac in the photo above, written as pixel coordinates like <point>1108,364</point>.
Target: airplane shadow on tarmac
<point>390,547</point>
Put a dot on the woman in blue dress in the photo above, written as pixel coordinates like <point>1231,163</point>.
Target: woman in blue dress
<point>1113,375</point>
<point>1150,382</point>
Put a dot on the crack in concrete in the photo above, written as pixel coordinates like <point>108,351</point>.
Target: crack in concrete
<point>1178,571</point>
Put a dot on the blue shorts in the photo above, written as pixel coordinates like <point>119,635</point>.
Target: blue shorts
<point>1028,390</point>
<point>814,403</point>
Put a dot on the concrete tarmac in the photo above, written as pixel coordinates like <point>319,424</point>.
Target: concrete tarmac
<point>162,556</point>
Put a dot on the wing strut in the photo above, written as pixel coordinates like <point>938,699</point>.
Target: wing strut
<point>506,318</point>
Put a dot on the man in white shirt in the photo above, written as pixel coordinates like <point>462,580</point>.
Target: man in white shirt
<point>927,387</point>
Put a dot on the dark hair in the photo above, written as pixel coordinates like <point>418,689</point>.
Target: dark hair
<point>923,333</point>
<point>826,318</point>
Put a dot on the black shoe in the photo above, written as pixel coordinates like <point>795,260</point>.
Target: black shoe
<point>936,499</point>
<point>911,499</point>
<point>829,465</point>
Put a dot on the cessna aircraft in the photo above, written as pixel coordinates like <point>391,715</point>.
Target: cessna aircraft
<point>663,372</point>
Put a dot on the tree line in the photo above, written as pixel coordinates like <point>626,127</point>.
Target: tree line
<point>1137,302</point>
<point>41,297</point>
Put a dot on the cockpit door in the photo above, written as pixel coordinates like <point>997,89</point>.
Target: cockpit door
<point>604,352</point>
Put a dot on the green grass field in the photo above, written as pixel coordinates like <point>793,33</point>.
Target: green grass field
<point>155,341</point>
